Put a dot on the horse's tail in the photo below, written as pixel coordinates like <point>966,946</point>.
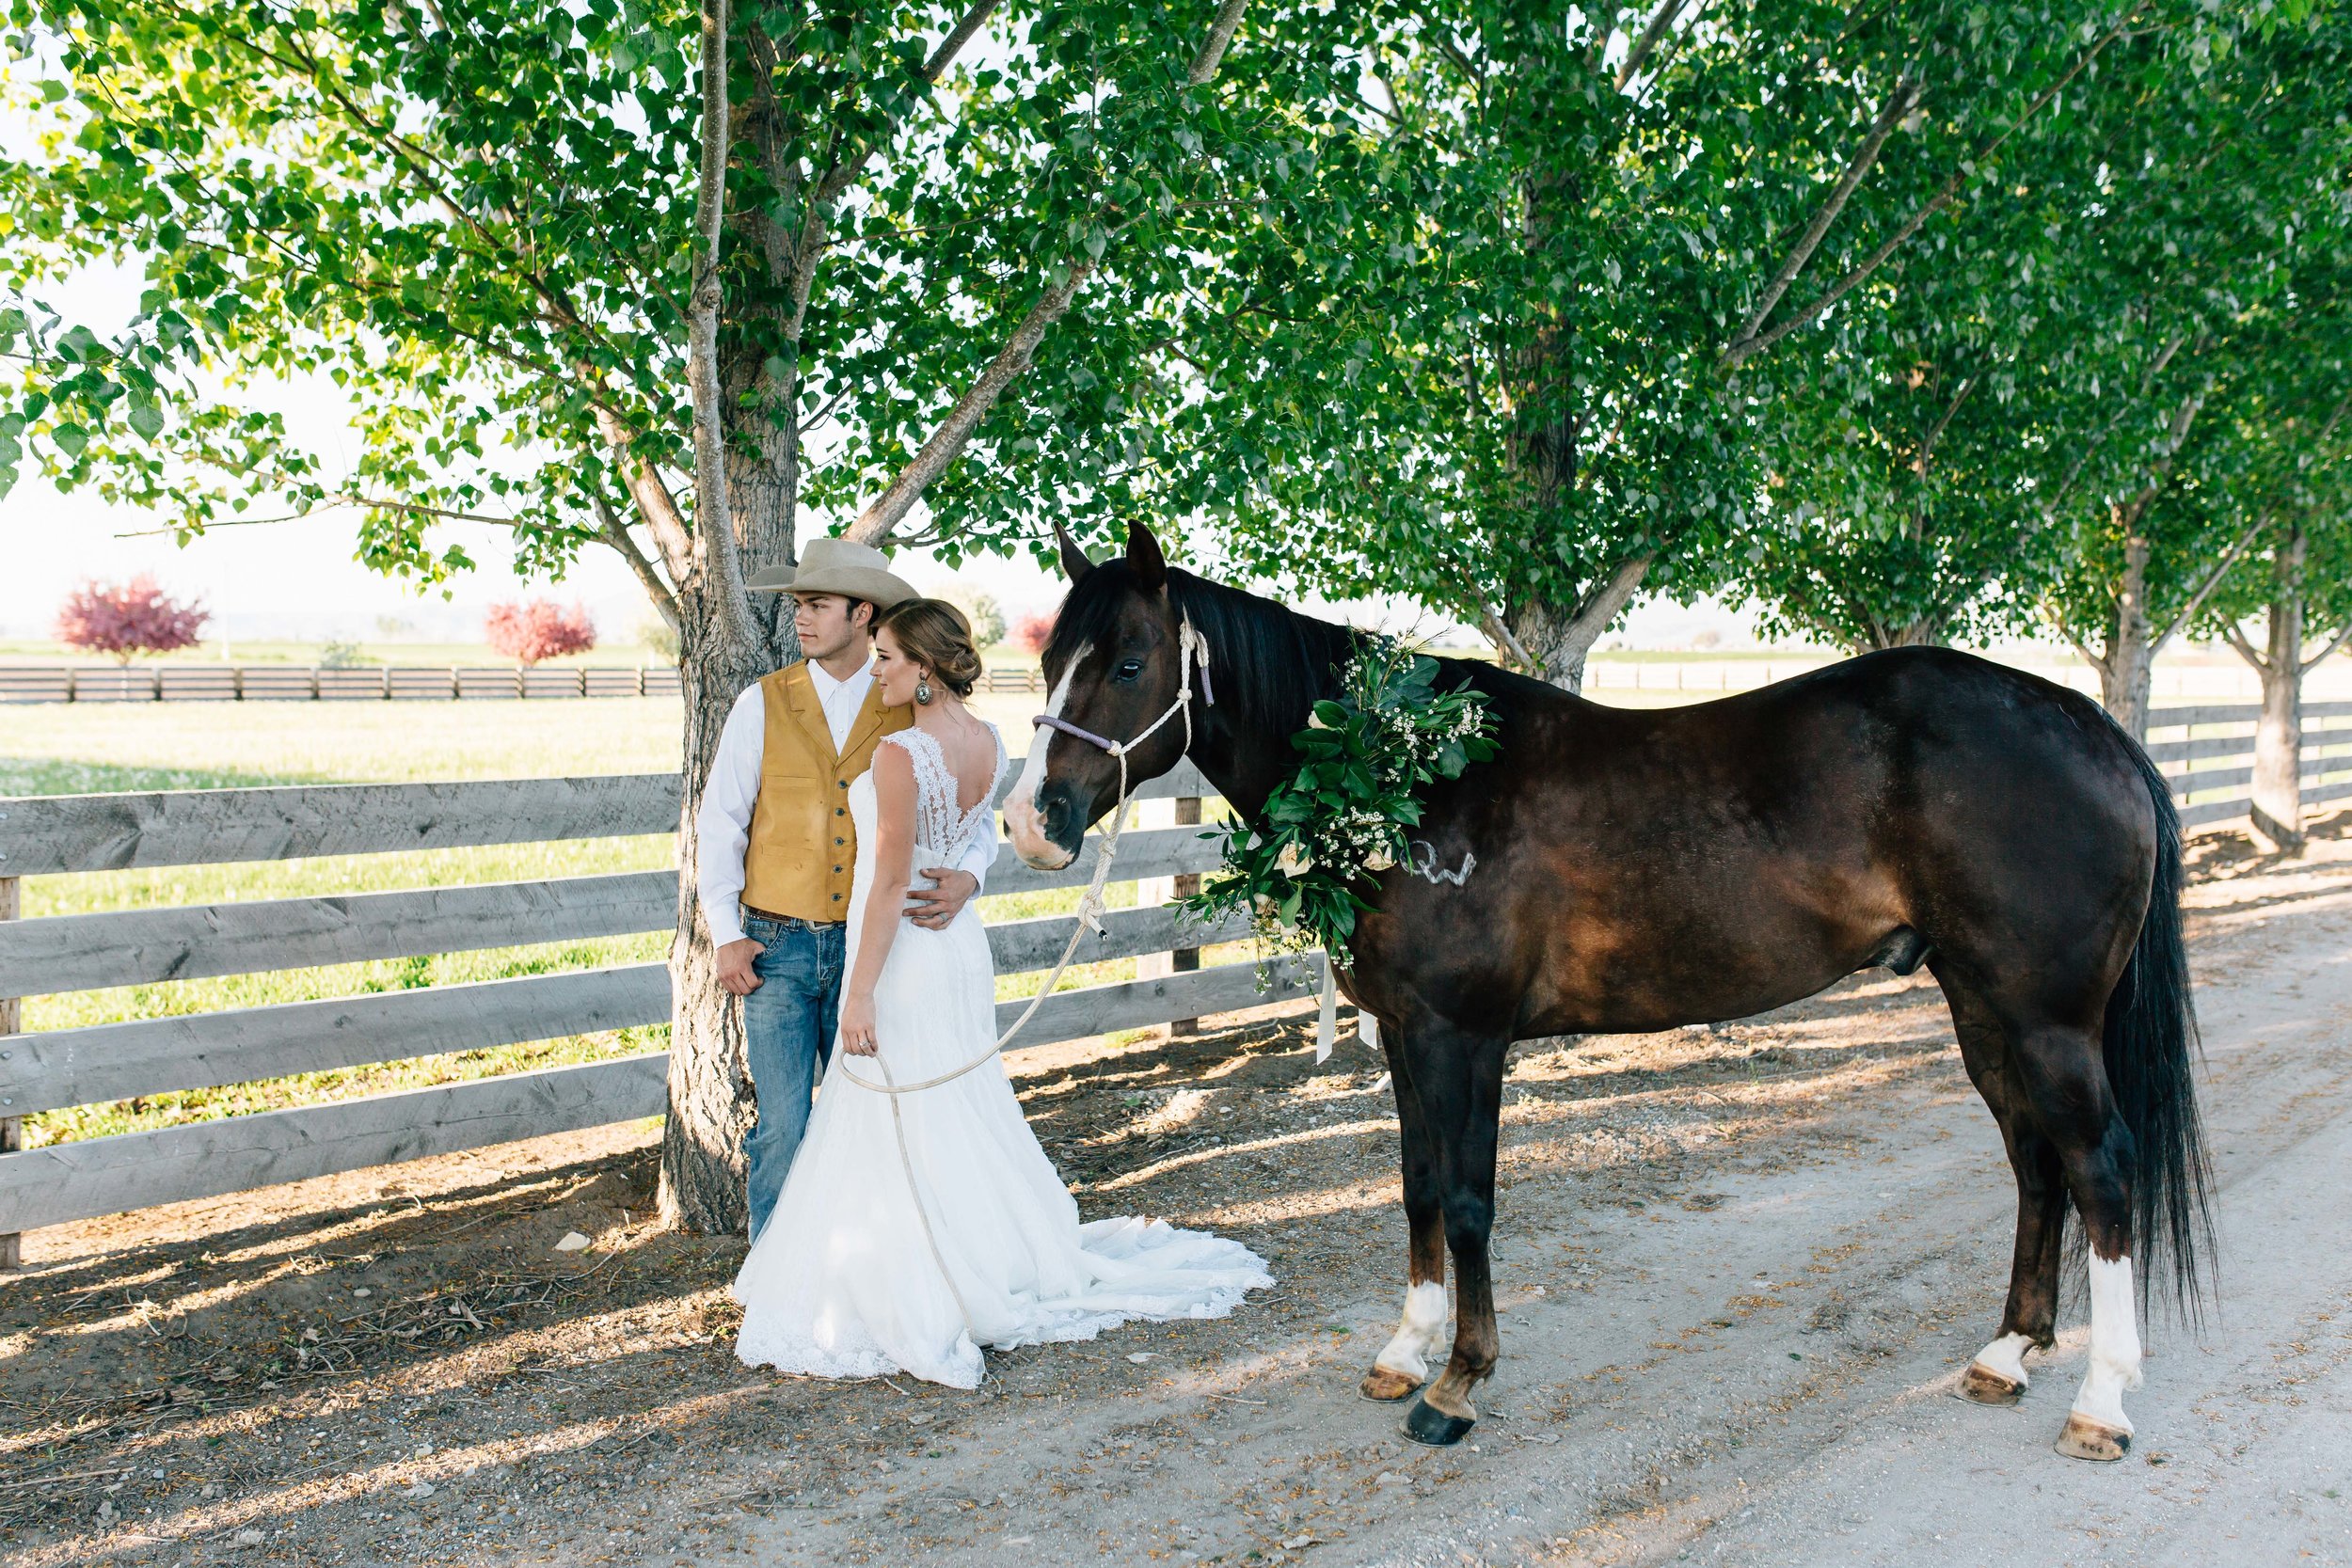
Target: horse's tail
<point>2151,1049</point>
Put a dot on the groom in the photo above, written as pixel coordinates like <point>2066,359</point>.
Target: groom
<point>777,846</point>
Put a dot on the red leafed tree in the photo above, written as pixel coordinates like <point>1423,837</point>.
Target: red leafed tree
<point>539,628</point>
<point>1035,633</point>
<point>124,619</point>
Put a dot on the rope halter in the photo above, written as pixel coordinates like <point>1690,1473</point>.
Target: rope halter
<point>1189,642</point>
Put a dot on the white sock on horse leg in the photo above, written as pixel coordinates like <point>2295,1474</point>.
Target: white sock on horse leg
<point>2006,1356</point>
<point>2114,1344</point>
<point>1417,1332</point>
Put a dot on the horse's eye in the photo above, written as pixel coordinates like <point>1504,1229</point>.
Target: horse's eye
<point>1129,670</point>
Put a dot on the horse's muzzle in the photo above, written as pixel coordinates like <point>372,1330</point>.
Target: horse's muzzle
<point>1049,828</point>
<point>1046,830</point>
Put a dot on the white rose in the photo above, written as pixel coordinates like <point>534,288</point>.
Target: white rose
<point>1379,860</point>
<point>1262,907</point>
<point>1292,861</point>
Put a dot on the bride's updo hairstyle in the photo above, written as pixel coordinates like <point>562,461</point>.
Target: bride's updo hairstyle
<point>934,634</point>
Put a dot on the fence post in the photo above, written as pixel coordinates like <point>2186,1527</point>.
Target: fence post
<point>11,1127</point>
<point>1186,960</point>
<point>316,694</point>
<point>1159,889</point>
<point>387,683</point>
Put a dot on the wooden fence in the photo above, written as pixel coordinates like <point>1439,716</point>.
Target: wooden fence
<point>279,683</point>
<point>2208,754</point>
<point>2206,749</point>
<point>284,683</point>
<point>69,834</point>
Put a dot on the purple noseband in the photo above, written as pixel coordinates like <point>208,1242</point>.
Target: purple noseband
<point>1054,722</point>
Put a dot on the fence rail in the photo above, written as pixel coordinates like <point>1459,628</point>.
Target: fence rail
<point>294,683</point>
<point>49,1069</point>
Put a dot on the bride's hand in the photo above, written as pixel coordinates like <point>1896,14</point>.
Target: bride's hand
<point>857,1025</point>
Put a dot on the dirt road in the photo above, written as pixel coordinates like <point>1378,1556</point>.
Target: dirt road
<point>1739,1269</point>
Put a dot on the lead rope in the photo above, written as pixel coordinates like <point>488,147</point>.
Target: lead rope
<point>1088,916</point>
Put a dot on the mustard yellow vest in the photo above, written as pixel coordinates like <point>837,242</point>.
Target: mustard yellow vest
<point>802,847</point>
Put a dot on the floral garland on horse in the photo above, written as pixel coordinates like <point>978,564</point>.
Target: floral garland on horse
<point>1344,817</point>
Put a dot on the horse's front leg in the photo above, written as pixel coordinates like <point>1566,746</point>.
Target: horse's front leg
<point>1403,1364</point>
<point>1458,1076</point>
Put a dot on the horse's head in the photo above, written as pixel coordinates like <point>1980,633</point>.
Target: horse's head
<point>1113,668</point>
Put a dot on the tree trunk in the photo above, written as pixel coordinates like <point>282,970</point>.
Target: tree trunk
<point>1923,633</point>
<point>2279,734</point>
<point>1558,638</point>
<point>2125,674</point>
<point>711,1098</point>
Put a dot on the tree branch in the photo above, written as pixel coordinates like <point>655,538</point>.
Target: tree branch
<point>1498,632</point>
<point>1609,597</point>
<point>946,443</point>
<point>1212,54</point>
<point>1750,345</point>
<point>714,519</point>
<point>1660,21</point>
<point>615,533</point>
<point>2244,649</point>
<point>2095,660</point>
<point>333,503</point>
<point>656,505</point>
<point>1926,447</point>
<point>1899,104</point>
<point>2213,581</point>
<point>2333,644</point>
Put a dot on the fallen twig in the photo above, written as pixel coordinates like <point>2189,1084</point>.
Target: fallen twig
<point>51,1480</point>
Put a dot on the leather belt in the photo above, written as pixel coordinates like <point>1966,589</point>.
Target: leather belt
<point>786,919</point>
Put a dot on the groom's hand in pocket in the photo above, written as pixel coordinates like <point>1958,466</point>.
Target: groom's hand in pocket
<point>933,906</point>
<point>734,966</point>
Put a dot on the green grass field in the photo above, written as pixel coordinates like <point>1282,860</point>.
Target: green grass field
<point>73,749</point>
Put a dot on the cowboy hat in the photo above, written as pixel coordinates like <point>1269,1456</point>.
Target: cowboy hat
<point>838,566</point>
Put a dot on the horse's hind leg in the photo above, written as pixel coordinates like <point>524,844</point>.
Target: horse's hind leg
<point>2028,1322</point>
<point>1403,1364</point>
<point>2065,1077</point>
<point>1457,1077</point>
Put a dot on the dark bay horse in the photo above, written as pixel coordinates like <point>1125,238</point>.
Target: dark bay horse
<point>1635,870</point>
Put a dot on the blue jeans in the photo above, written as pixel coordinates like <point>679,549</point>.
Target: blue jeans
<point>788,1025</point>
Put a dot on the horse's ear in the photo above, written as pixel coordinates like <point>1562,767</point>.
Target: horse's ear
<point>1074,564</point>
<point>1144,557</point>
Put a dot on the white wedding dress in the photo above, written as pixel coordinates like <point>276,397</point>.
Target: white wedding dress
<point>843,1281</point>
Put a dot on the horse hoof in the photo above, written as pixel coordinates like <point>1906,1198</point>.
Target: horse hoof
<point>1981,1384</point>
<point>2085,1439</point>
<point>1433,1427</point>
<point>1387,1385</point>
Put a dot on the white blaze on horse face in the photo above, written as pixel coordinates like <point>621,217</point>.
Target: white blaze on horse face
<point>2114,1344</point>
<point>1417,1333</point>
<point>2006,1357</point>
<point>1021,825</point>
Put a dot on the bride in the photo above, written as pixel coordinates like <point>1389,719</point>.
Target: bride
<point>915,1229</point>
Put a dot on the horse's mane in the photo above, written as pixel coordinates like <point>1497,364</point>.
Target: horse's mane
<point>1267,663</point>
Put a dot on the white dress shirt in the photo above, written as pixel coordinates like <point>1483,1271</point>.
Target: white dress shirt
<point>723,823</point>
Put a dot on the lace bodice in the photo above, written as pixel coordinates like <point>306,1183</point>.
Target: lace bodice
<point>941,828</point>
